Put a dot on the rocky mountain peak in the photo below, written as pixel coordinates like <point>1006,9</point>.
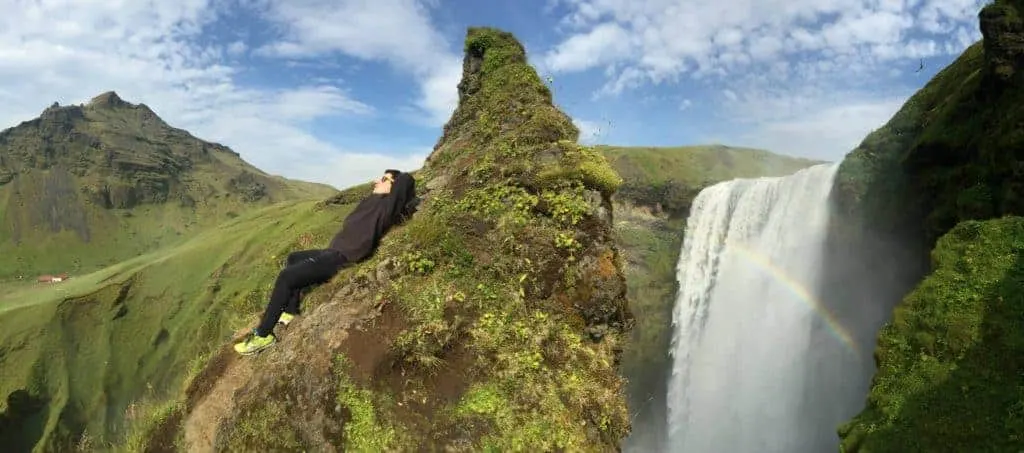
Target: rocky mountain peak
<point>107,99</point>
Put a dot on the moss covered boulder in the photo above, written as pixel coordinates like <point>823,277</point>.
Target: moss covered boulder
<point>490,321</point>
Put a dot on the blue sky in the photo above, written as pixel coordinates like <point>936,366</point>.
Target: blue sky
<point>336,90</point>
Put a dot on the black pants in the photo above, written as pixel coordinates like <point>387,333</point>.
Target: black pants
<point>304,268</point>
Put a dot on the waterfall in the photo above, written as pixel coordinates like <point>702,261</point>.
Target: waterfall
<point>763,360</point>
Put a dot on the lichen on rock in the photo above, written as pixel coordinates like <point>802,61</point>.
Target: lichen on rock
<point>490,320</point>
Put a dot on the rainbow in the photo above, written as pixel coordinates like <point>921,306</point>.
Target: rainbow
<point>798,289</point>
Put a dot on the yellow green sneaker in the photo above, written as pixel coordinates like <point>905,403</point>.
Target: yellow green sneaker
<point>286,318</point>
<point>255,343</point>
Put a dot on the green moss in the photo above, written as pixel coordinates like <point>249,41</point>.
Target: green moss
<point>533,380</point>
<point>264,428</point>
<point>493,405</point>
<point>567,207</point>
<point>365,431</point>
<point>582,164</point>
<point>431,239</point>
<point>417,263</point>
<point>949,368</point>
<point>423,300</point>
<point>567,241</point>
<point>506,115</point>
<point>534,400</point>
<point>950,363</point>
<point>505,200</point>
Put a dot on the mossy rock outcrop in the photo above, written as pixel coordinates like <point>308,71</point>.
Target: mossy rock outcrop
<point>947,172</point>
<point>955,150</point>
<point>950,363</point>
<point>490,320</point>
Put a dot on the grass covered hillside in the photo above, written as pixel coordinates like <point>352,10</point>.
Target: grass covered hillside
<point>491,320</point>
<point>87,186</point>
<point>946,171</point>
<point>670,177</point>
<point>651,207</point>
<point>951,363</point>
<point>80,359</point>
<point>953,152</point>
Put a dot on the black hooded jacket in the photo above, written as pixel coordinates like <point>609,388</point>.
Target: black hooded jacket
<point>362,230</point>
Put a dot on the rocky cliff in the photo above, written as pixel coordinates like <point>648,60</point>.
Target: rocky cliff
<point>945,172</point>
<point>491,320</point>
<point>954,151</point>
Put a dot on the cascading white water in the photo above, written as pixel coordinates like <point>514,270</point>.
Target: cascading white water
<point>760,363</point>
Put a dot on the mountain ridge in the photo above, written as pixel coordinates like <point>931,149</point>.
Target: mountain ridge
<point>88,185</point>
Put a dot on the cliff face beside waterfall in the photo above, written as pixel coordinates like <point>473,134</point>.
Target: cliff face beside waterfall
<point>945,174</point>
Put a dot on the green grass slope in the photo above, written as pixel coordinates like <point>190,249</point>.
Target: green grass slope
<point>651,208</point>
<point>87,186</point>
<point>950,365</point>
<point>949,372</point>
<point>672,176</point>
<point>80,359</point>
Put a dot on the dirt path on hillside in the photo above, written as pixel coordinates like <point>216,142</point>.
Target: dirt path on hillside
<point>217,402</point>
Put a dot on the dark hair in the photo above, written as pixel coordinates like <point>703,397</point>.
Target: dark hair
<point>410,200</point>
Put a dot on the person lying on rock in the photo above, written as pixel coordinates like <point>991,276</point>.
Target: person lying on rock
<point>392,201</point>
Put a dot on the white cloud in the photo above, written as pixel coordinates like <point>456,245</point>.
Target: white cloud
<point>398,32</point>
<point>784,65</point>
<point>237,48</point>
<point>359,168</point>
<point>306,103</point>
<point>604,44</point>
<point>591,131</point>
<point>297,154</point>
<point>659,39</point>
<point>808,123</point>
<point>151,52</point>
